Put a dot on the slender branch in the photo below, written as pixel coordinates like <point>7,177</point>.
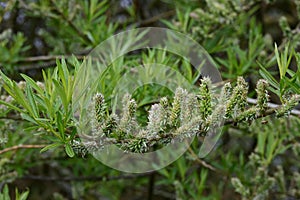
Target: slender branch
<point>273,105</point>
<point>85,178</point>
<point>45,65</point>
<point>49,61</point>
<point>48,57</point>
<point>22,146</point>
<point>201,162</point>
<point>12,116</point>
<point>155,18</point>
<point>267,113</point>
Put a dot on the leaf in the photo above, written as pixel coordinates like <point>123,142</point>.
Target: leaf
<point>5,193</point>
<point>28,118</point>
<point>19,96</point>
<point>61,93</point>
<point>11,106</point>
<point>31,101</point>
<point>69,150</point>
<point>283,60</point>
<point>60,125</point>
<point>50,146</point>
<point>6,79</point>
<point>267,76</point>
<point>31,128</point>
<point>261,140</point>
<point>24,195</point>
<point>32,83</point>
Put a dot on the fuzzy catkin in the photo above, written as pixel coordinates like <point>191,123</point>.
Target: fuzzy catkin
<point>128,122</point>
<point>176,108</point>
<point>238,99</point>
<point>262,96</point>
<point>205,98</point>
<point>155,120</point>
<point>100,107</point>
<point>288,105</point>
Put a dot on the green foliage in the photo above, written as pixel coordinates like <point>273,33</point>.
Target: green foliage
<point>46,105</point>
<point>289,79</point>
<point>82,21</point>
<point>257,155</point>
<point>19,196</point>
<point>12,49</point>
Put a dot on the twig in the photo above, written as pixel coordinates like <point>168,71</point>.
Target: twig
<point>201,162</point>
<point>22,146</point>
<point>48,57</point>
<point>273,105</point>
<point>155,18</point>
<point>85,178</point>
<point>151,186</point>
<point>12,117</point>
<point>44,65</point>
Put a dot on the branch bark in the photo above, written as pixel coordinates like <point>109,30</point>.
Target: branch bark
<point>22,146</point>
<point>85,178</point>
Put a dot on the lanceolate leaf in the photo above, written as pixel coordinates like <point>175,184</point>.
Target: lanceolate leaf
<point>69,150</point>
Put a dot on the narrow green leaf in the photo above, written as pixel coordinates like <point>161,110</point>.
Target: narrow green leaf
<point>21,99</point>
<point>28,118</point>
<point>266,75</point>
<point>31,128</point>
<point>31,100</point>
<point>24,195</point>
<point>11,106</point>
<point>32,83</point>
<point>6,79</point>
<point>261,140</point>
<point>69,150</point>
<point>6,192</point>
<point>60,125</point>
<point>61,93</point>
<point>50,146</point>
<point>278,60</point>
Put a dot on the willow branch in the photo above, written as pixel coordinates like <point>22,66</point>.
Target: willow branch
<point>85,178</point>
<point>273,105</point>
<point>21,146</point>
<point>156,18</point>
<point>201,162</point>
<point>48,58</point>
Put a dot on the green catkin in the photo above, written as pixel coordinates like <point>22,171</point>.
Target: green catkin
<point>288,105</point>
<point>176,108</point>
<point>262,96</point>
<point>188,115</point>
<point>284,25</point>
<point>128,122</point>
<point>225,92</point>
<point>155,120</point>
<point>110,125</point>
<point>165,112</point>
<point>238,99</point>
<point>132,108</point>
<point>205,97</point>
<point>164,102</point>
<point>247,115</point>
<point>100,107</point>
